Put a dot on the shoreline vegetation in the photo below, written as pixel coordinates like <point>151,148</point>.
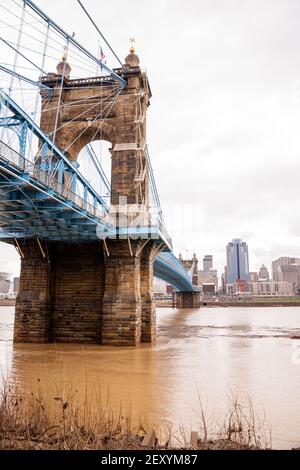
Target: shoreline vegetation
<point>36,421</point>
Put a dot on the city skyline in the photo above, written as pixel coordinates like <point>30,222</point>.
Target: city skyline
<point>236,278</point>
<point>11,266</point>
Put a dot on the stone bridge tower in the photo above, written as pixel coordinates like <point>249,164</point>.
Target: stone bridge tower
<point>94,292</point>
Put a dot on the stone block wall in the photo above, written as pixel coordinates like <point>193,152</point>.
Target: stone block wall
<point>32,317</point>
<point>147,297</point>
<point>76,294</point>
<point>60,296</point>
<point>121,320</point>
<point>188,299</point>
<point>77,286</point>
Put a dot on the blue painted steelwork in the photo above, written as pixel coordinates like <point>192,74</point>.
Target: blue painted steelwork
<point>62,161</point>
<point>35,203</point>
<point>168,268</point>
<point>30,208</point>
<point>72,40</point>
<point>20,127</point>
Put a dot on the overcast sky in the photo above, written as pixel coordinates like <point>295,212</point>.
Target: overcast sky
<point>224,124</point>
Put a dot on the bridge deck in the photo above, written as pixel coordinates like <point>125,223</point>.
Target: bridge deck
<point>32,203</point>
<point>35,204</point>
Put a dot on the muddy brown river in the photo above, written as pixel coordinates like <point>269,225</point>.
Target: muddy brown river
<point>211,353</point>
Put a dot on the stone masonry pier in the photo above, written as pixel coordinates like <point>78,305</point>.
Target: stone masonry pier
<point>78,294</point>
<point>94,292</point>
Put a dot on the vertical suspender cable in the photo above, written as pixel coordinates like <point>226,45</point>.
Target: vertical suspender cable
<point>18,47</point>
<point>60,92</point>
<point>37,96</point>
<point>15,64</point>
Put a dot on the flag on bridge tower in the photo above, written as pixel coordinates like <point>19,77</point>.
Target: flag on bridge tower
<point>102,57</point>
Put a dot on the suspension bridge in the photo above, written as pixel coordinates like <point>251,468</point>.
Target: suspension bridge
<point>89,242</point>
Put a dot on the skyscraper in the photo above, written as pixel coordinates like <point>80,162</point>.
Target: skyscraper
<point>237,261</point>
<point>287,269</point>
<point>207,262</point>
<point>279,263</point>
<point>208,277</point>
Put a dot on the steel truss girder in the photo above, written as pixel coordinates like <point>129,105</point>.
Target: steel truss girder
<point>47,143</point>
<point>19,125</point>
<point>168,268</point>
<point>41,223</point>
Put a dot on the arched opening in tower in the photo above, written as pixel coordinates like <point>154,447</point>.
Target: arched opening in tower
<point>94,162</point>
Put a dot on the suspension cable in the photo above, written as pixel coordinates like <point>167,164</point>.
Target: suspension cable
<point>22,55</point>
<point>95,119</point>
<point>88,65</point>
<point>73,41</point>
<point>98,30</point>
<point>83,113</point>
<point>22,77</point>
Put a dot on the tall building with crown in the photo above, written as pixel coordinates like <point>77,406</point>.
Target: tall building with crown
<point>237,261</point>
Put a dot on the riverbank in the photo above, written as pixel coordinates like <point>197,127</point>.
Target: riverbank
<point>270,303</point>
<point>28,421</point>
<point>280,302</point>
<point>210,350</point>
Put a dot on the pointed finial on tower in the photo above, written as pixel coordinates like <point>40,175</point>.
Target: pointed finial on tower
<point>63,68</point>
<point>65,54</point>
<point>132,49</point>
<point>132,60</point>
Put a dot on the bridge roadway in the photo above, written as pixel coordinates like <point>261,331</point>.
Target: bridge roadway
<point>34,204</point>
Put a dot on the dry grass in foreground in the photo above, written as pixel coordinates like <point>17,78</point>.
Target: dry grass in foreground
<point>35,422</point>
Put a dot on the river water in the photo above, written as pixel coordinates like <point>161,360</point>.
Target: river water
<point>211,353</point>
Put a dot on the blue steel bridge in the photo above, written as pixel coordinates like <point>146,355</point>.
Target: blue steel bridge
<point>34,202</point>
<point>51,117</point>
